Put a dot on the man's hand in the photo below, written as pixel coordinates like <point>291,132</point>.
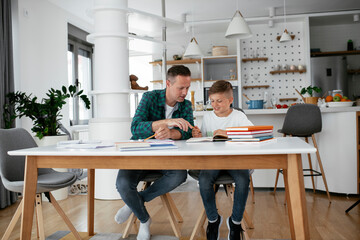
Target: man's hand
<point>162,133</point>
<point>196,132</point>
<point>172,122</point>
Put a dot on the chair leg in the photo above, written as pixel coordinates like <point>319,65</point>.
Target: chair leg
<point>310,166</point>
<point>39,216</point>
<point>13,222</point>
<point>252,189</point>
<point>130,223</point>
<point>64,217</point>
<point>246,235</point>
<point>174,209</point>
<point>172,219</point>
<point>276,179</point>
<point>199,223</point>
<point>321,167</point>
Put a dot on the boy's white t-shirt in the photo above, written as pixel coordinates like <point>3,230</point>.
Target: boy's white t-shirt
<point>211,122</point>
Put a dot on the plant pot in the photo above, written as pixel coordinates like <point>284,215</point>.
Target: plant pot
<point>311,100</point>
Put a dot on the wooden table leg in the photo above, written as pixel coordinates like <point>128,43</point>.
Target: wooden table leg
<point>90,199</point>
<point>296,197</point>
<point>30,180</point>
<point>288,203</point>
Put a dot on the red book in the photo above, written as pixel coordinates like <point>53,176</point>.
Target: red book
<point>249,128</point>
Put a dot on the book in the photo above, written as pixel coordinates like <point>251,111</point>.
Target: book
<point>240,141</point>
<point>251,135</point>
<point>215,138</point>
<point>250,128</point>
<point>151,144</point>
<point>257,139</point>
<point>79,144</point>
<point>248,132</point>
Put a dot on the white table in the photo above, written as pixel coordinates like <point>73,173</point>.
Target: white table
<point>285,153</point>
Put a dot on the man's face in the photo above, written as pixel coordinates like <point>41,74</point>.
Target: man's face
<point>177,91</point>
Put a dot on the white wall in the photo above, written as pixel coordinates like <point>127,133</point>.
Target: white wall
<point>40,48</point>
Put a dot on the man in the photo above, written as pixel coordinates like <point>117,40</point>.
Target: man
<point>169,115</point>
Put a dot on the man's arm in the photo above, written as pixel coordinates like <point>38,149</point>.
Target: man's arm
<point>141,127</point>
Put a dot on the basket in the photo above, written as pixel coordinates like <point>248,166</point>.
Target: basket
<point>219,50</point>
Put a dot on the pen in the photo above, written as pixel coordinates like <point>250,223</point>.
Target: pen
<point>149,137</point>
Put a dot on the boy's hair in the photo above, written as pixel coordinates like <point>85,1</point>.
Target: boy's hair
<point>177,70</point>
<point>221,86</point>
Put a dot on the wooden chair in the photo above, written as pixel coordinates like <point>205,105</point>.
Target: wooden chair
<point>172,211</point>
<point>12,175</point>
<point>304,120</point>
<point>227,181</point>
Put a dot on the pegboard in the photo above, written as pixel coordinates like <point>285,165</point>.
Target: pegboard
<point>263,43</point>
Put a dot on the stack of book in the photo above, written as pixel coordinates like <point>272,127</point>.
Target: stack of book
<point>250,133</point>
<point>151,144</point>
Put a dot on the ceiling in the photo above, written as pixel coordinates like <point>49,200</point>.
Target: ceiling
<point>199,10</point>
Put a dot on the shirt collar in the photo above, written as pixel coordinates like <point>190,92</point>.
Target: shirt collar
<point>162,100</point>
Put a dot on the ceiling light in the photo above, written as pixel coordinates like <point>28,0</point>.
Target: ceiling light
<point>285,37</point>
<point>238,27</point>
<point>193,50</point>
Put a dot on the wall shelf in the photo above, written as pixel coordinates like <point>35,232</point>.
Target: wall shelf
<point>335,53</point>
<point>160,81</point>
<point>287,99</point>
<point>288,71</point>
<point>175,62</point>
<point>353,71</point>
<point>256,86</point>
<point>255,59</point>
<point>229,80</point>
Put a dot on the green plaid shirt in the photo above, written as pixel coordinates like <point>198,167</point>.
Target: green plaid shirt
<point>152,108</point>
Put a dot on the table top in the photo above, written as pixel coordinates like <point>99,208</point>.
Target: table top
<point>288,145</point>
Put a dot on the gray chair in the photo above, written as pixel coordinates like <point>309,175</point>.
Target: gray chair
<point>227,181</point>
<point>304,120</point>
<point>12,174</point>
<point>173,213</point>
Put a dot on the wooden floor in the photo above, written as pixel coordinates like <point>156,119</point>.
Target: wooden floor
<point>269,215</point>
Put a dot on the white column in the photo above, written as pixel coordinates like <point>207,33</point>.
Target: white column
<point>111,84</point>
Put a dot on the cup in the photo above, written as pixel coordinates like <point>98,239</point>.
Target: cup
<point>284,67</point>
<point>293,67</point>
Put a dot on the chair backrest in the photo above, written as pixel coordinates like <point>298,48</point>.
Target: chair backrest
<point>12,167</point>
<point>302,120</point>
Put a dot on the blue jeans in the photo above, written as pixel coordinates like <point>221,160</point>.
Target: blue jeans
<point>127,181</point>
<point>207,180</point>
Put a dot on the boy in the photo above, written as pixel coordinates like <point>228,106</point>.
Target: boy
<point>221,97</point>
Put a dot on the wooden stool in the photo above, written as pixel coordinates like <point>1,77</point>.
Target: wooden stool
<point>173,213</point>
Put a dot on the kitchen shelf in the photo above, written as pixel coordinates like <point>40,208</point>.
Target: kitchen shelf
<point>287,99</point>
<point>353,71</point>
<point>256,86</point>
<point>287,71</point>
<point>278,37</point>
<point>229,80</point>
<point>174,62</point>
<point>160,81</point>
<point>335,53</point>
<point>255,59</point>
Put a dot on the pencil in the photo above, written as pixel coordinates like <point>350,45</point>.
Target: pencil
<point>149,137</point>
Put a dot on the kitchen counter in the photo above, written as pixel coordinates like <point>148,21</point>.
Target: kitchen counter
<point>337,144</point>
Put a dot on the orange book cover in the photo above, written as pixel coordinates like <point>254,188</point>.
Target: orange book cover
<point>250,128</point>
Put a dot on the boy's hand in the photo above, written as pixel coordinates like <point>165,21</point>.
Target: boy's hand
<point>196,132</point>
<point>220,131</point>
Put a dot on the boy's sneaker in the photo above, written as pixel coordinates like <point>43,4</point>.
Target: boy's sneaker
<point>235,231</point>
<point>212,230</point>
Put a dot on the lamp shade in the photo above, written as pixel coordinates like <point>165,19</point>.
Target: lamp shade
<point>285,37</point>
<point>238,27</point>
<point>193,49</point>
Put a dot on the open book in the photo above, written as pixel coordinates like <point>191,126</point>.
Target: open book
<point>215,138</point>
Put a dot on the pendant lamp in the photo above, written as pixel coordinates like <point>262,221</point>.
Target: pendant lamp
<point>285,37</point>
<point>238,27</point>
<point>193,50</point>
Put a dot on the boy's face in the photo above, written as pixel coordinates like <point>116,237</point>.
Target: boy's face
<point>221,103</point>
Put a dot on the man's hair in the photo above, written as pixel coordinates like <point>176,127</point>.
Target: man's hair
<point>176,70</point>
<point>221,86</point>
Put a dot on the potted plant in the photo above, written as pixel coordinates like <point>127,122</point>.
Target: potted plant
<point>45,114</point>
<point>310,90</point>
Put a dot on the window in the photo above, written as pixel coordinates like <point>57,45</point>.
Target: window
<point>79,73</point>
